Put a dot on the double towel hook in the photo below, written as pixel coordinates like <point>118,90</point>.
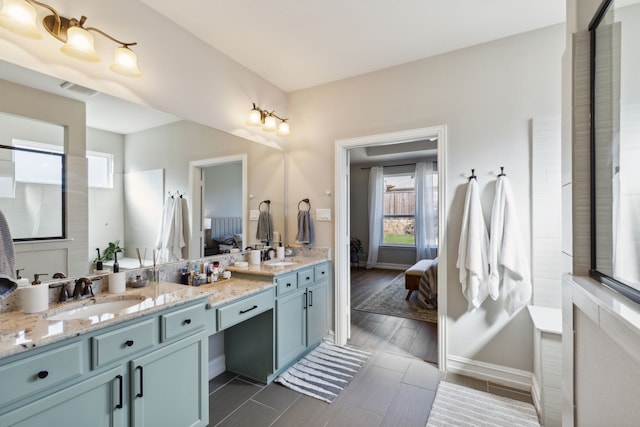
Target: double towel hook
<point>473,173</point>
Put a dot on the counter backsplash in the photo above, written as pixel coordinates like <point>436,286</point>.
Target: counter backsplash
<point>165,272</point>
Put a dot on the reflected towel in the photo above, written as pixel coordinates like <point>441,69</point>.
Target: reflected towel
<point>304,228</point>
<point>8,282</point>
<point>507,257</point>
<point>265,227</point>
<point>473,249</point>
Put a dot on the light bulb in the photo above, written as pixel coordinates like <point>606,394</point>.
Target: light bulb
<point>125,62</point>
<point>80,45</point>
<point>269,124</point>
<point>19,17</point>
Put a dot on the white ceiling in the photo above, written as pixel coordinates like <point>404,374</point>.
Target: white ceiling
<point>296,44</point>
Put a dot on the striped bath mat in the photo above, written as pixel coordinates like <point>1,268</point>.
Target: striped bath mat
<point>458,406</point>
<point>325,371</point>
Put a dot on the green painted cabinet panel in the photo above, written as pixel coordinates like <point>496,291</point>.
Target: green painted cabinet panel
<point>317,306</point>
<point>291,327</point>
<point>96,402</point>
<point>169,386</point>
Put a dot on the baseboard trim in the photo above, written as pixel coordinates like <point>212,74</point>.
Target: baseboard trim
<point>217,366</point>
<point>498,374</point>
<point>390,266</point>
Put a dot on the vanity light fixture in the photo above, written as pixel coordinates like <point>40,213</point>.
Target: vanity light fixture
<point>19,16</point>
<point>269,121</point>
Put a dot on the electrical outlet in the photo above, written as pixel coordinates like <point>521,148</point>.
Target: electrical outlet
<point>254,215</point>
<point>323,214</point>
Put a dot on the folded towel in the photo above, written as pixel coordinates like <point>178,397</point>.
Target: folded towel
<point>8,283</point>
<point>507,258</point>
<point>473,249</point>
<point>264,232</point>
<point>304,227</point>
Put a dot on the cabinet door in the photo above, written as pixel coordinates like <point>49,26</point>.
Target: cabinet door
<point>96,402</point>
<point>291,327</point>
<point>317,300</point>
<point>169,386</point>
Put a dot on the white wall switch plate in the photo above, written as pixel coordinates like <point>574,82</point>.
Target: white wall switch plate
<point>254,215</point>
<point>323,214</point>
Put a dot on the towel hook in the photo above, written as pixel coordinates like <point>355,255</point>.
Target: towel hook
<point>502,171</point>
<point>304,201</point>
<point>267,202</point>
<point>473,175</point>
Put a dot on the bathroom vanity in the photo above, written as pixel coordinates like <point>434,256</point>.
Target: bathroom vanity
<point>147,365</point>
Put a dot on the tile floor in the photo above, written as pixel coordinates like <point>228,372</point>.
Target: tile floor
<point>390,390</point>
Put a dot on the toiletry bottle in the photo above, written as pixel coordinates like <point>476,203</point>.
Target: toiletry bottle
<point>208,273</point>
<point>116,266</point>
<point>183,276</point>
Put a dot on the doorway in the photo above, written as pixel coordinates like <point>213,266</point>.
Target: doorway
<point>343,233</point>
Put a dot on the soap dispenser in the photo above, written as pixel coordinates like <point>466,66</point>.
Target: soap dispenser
<point>22,281</point>
<point>36,278</point>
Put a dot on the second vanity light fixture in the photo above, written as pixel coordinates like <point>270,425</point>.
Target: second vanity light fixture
<point>268,121</point>
<point>19,16</point>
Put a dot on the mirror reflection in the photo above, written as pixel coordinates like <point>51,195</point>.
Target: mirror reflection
<point>617,146</point>
<point>136,167</point>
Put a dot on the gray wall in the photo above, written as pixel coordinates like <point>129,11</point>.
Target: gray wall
<point>223,190</point>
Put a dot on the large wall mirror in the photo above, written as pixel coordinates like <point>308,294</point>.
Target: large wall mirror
<point>136,160</point>
<point>615,138</point>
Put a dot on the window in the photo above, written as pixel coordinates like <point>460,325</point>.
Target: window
<point>399,210</point>
<point>100,169</point>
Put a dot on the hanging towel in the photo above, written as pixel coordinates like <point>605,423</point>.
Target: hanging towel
<point>176,243</point>
<point>165,231</point>
<point>264,232</point>
<point>305,234</point>
<point>8,282</point>
<point>507,258</point>
<point>473,249</point>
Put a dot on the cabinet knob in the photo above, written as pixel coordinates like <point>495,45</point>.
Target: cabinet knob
<point>129,343</point>
<point>187,321</point>
<point>43,374</point>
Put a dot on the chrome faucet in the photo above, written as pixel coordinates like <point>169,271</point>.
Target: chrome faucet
<point>83,288</point>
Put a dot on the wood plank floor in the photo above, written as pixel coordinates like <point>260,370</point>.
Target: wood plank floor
<point>395,387</point>
<point>379,332</point>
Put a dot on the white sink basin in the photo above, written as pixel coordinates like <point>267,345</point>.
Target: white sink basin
<point>97,309</point>
<point>279,263</point>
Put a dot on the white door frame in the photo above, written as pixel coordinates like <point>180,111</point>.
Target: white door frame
<point>342,233</point>
<point>195,197</point>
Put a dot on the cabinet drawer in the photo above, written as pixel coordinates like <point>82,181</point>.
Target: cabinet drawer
<point>123,342</point>
<point>287,283</point>
<point>33,374</point>
<point>181,322</point>
<point>305,277</point>
<point>321,272</point>
<point>245,309</point>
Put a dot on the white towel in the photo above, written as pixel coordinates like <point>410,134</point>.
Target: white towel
<point>507,258</point>
<point>473,249</point>
<point>8,282</point>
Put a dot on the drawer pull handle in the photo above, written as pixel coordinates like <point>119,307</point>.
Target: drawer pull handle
<point>308,278</point>
<point>119,378</point>
<point>43,374</point>
<point>141,381</point>
<point>288,285</point>
<point>248,309</point>
<point>128,343</point>
<point>187,321</point>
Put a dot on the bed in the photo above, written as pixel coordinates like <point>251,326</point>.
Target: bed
<point>225,234</point>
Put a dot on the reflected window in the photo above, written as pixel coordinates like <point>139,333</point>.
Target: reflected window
<point>100,169</point>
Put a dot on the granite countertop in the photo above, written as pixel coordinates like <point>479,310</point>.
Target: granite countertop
<point>292,264</point>
<point>21,332</point>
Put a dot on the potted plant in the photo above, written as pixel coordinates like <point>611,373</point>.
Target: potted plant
<point>108,254</point>
<point>356,250</point>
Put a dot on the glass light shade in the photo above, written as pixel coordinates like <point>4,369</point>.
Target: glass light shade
<point>269,124</point>
<point>80,45</point>
<point>125,62</point>
<point>283,129</point>
<point>19,17</point>
<point>255,117</point>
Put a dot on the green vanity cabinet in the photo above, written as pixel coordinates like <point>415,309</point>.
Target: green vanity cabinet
<point>149,371</point>
<point>168,386</point>
<point>95,402</point>
<point>301,312</point>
